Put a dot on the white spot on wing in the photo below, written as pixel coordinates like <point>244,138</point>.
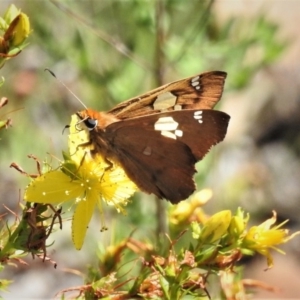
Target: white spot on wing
<point>168,128</point>
<point>179,132</point>
<point>198,116</point>
<point>198,113</point>
<point>168,134</point>
<point>177,107</point>
<point>195,83</point>
<point>195,79</point>
<point>165,123</point>
<point>164,101</point>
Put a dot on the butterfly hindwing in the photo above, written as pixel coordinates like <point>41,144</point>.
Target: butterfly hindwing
<point>158,152</point>
<point>202,91</point>
<point>149,171</point>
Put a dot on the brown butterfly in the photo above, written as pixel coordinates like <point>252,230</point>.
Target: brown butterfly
<point>159,136</point>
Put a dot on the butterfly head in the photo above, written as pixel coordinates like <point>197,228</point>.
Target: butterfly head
<point>89,122</point>
<point>93,119</point>
<point>87,117</point>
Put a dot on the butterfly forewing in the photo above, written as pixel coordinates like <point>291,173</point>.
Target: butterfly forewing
<point>201,91</point>
<point>158,152</point>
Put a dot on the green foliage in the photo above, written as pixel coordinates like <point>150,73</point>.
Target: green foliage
<point>133,268</point>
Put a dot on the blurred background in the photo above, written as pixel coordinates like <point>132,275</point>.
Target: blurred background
<point>109,51</point>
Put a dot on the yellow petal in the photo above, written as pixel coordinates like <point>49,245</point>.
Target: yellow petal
<point>21,30</point>
<point>237,226</point>
<point>216,226</point>
<point>116,187</point>
<point>18,30</point>
<point>82,216</point>
<point>53,187</point>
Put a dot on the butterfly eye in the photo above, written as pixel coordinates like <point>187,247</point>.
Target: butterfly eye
<point>90,123</point>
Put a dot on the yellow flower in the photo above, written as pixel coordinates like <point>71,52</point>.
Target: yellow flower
<point>214,228</point>
<point>89,180</point>
<point>238,224</point>
<point>18,30</point>
<point>264,237</point>
<point>187,211</point>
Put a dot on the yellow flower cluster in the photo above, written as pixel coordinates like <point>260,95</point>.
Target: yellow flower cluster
<point>88,179</point>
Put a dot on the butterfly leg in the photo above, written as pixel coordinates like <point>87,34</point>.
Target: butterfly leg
<point>109,167</point>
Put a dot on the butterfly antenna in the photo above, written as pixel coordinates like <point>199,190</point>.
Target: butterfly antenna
<point>66,88</point>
